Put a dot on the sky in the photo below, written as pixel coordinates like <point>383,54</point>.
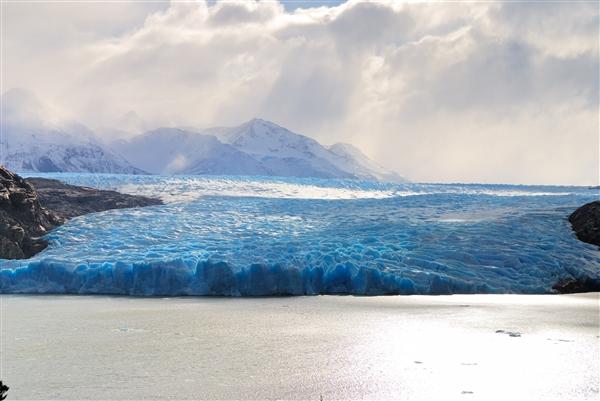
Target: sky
<point>496,92</point>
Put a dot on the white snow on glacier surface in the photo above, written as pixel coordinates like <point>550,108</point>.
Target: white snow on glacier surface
<point>253,236</point>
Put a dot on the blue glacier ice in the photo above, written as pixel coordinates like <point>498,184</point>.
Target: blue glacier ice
<point>256,236</point>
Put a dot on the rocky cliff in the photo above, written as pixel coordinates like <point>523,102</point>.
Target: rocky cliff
<point>22,218</point>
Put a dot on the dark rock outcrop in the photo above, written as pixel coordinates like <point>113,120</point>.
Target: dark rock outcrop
<point>586,223</point>
<point>30,208</point>
<point>22,218</point>
<point>69,201</point>
<point>575,285</point>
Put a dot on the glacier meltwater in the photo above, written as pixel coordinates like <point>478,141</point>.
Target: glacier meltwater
<point>256,236</point>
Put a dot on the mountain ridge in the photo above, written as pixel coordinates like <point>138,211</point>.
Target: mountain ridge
<point>36,139</point>
<point>256,147</point>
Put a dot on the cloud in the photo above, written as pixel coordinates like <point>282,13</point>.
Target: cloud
<point>179,163</point>
<point>486,92</point>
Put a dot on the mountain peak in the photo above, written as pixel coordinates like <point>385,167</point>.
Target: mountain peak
<point>254,130</point>
<point>259,122</point>
<point>344,146</point>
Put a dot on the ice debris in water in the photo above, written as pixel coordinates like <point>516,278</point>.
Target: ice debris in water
<point>509,333</point>
<point>255,236</point>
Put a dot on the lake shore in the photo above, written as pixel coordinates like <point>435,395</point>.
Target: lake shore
<point>337,347</point>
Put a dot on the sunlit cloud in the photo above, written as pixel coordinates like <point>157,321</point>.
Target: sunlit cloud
<point>493,92</point>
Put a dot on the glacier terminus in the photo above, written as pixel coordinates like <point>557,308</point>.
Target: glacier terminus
<point>257,236</point>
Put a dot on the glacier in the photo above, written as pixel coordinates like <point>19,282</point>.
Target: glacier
<point>262,236</point>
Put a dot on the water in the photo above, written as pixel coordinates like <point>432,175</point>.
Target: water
<point>265,236</point>
<point>302,348</point>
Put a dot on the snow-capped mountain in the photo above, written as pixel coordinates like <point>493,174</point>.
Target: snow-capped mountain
<point>177,151</point>
<point>352,159</point>
<point>279,148</point>
<point>283,152</point>
<point>257,147</point>
<point>34,139</point>
<point>37,138</point>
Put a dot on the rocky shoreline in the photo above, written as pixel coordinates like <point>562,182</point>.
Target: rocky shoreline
<point>29,208</point>
<point>70,201</point>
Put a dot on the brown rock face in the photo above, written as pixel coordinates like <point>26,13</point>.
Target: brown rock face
<point>69,201</point>
<point>22,219</point>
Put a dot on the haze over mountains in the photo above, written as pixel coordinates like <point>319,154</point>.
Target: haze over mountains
<point>35,141</point>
